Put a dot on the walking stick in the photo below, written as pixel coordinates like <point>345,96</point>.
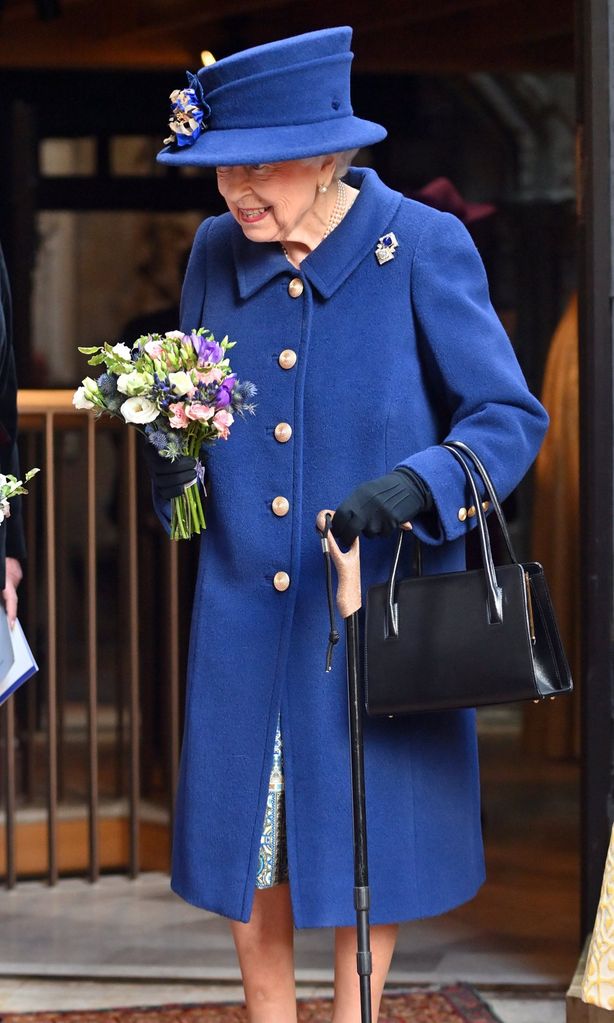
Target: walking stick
<point>349,601</point>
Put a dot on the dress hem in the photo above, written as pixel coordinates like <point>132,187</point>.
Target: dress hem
<point>211,906</point>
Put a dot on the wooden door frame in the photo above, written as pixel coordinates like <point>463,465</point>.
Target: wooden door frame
<point>596,135</point>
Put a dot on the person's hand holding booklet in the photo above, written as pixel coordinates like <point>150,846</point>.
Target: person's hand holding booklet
<point>17,663</point>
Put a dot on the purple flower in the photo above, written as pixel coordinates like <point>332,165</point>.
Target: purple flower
<point>207,350</point>
<point>224,394</point>
<point>222,398</point>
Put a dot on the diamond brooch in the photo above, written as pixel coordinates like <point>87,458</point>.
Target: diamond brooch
<point>385,248</point>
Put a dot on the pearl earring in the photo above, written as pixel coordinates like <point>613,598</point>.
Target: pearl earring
<point>322,189</point>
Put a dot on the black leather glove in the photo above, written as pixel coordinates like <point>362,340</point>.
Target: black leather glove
<point>378,507</point>
<point>169,477</point>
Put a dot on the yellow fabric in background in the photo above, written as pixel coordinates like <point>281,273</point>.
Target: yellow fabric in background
<point>553,729</point>
<point>598,982</point>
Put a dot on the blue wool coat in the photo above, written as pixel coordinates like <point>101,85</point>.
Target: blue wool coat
<point>391,360</point>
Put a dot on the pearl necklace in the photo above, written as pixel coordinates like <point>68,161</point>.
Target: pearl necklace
<point>339,211</point>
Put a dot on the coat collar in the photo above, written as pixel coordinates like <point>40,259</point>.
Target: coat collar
<point>332,262</point>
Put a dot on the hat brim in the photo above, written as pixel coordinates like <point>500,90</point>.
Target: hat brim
<point>228,147</point>
<point>477,211</point>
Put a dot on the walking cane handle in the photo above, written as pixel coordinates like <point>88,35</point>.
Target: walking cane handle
<point>349,599</point>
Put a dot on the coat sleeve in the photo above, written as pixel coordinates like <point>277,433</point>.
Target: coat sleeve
<point>192,299</point>
<point>473,371</point>
<point>9,457</point>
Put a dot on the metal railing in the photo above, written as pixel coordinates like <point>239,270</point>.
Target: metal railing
<point>90,746</point>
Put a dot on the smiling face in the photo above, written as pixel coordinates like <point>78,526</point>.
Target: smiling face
<point>280,202</point>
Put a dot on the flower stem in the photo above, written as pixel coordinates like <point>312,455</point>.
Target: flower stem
<point>187,513</point>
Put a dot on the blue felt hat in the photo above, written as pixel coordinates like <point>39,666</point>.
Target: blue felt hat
<point>281,101</point>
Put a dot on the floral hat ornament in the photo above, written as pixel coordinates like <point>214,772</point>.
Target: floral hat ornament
<point>284,100</point>
<point>189,113</point>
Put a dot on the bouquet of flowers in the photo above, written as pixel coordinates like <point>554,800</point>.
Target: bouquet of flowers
<point>177,389</point>
<point>10,487</point>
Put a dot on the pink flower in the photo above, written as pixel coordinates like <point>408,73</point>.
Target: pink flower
<point>179,419</point>
<point>212,376</point>
<point>153,349</point>
<point>222,420</point>
<point>199,412</point>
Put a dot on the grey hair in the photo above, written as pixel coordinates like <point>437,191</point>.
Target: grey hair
<point>343,161</point>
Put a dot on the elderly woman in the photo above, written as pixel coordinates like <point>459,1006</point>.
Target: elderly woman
<point>364,319</point>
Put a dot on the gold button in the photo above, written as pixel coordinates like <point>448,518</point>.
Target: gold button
<point>296,287</point>
<point>283,432</point>
<point>462,514</point>
<point>471,511</point>
<point>485,505</point>
<point>280,506</point>
<point>287,358</point>
<point>281,581</point>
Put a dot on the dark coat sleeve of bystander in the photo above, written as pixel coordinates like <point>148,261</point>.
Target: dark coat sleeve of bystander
<point>12,540</point>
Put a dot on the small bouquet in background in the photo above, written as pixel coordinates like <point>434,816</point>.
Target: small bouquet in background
<point>10,487</point>
<point>180,391</point>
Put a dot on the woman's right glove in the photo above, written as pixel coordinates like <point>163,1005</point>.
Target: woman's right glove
<point>169,477</point>
<point>378,507</point>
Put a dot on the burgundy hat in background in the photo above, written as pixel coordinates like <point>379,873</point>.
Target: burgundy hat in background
<point>442,195</point>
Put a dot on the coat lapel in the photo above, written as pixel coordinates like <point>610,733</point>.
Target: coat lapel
<point>332,262</point>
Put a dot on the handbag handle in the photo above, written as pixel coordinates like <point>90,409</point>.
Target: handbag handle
<point>490,490</point>
<point>494,593</point>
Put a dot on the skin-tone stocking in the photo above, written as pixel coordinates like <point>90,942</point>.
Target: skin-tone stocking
<point>347,988</point>
<point>265,947</point>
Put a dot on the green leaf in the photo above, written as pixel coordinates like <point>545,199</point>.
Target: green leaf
<point>89,351</point>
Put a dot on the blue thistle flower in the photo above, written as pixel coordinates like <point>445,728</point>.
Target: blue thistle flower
<point>107,384</point>
<point>173,447</point>
<point>244,389</point>
<point>158,438</point>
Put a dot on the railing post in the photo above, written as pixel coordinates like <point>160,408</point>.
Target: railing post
<point>173,674</point>
<point>133,648</point>
<point>52,739</point>
<point>9,789</point>
<point>92,652</point>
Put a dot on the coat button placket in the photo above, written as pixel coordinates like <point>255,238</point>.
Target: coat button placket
<point>280,505</point>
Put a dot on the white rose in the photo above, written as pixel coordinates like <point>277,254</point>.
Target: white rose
<point>80,400</point>
<point>5,509</point>
<point>122,352</point>
<point>177,334</point>
<point>132,383</point>
<point>139,410</point>
<point>180,382</point>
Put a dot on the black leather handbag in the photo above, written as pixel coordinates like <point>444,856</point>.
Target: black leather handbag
<point>463,639</point>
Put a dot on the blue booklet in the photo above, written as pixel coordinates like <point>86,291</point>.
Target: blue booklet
<point>17,663</point>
